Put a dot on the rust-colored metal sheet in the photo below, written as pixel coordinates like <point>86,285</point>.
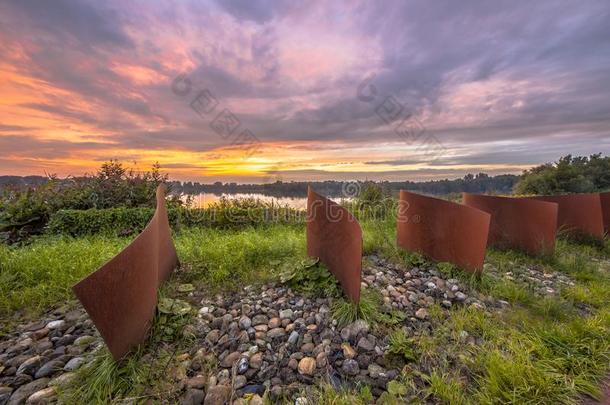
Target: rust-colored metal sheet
<point>605,202</point>
<point>442,230</point>
<point>518,223</point>
<point>121,296</point>
<point>167,256</point>
<point>578,214</point>
<point>334,235</point>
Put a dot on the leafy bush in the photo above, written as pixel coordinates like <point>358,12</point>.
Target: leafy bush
<point>312,278</point>
<point>226,214</point>
<point>26,211</point>
<point>569,174</point>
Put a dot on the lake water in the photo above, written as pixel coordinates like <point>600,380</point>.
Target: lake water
<point>204,200</point>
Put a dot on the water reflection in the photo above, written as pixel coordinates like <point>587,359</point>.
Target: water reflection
<point>204,200</point>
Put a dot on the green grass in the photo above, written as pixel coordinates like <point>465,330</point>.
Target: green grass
<point>151,373</point>
<point>38,276</point>
<point>538,350</point>
<point>368,309</point>
<point>229,258</point>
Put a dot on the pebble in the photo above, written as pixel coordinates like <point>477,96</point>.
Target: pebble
<point>421,313</point>
<point>293,338</point>
<point>56,324</point>
<point>245,322</point>
<point>41,396</point>
<point>74,364</point>
<point>307,366</point>
<point>350,367</point>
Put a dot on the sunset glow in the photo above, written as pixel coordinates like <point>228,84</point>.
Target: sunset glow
<point>84,82</point>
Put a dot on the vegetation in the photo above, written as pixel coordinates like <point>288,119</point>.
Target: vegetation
<point>141,377</point>
<point>579,174</point>
<point>26,211</point>
<point>536,350</point>
<point>224,214</point>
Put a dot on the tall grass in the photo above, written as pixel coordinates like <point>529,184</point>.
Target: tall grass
<point>228,258</point>
<point>38,275</point>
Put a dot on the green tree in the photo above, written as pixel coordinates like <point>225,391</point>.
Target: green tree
<point>569,174</point>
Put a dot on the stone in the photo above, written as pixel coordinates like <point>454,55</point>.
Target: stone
<point>321,360</point>
<point>30,365</point>
<point>307,366</point>
<point>421,313</point>
<point>230,359</point>
<point>242,365</point>
<point>366,344</point>
<point>256,361</point>
<point>256,400</point>
<point>193,397</point>
<point>62,379</point>
<point>41,396</point>
<point>84,340</point>
<point>218,395</point>
<point>350,367</point>
<point>196,382</point>
<point>286,314</point>
<point>245,322</point>
<point>49,368</point>
<point>213,336</point>
<point>375,370</point>
<point>274,323</point>
<point>348,351</point>
<point>5,394</point>
<point>460,296</point>
<point>307,348</point>
<point>354,329</point>
<point>275,333</point>
<point>293,338</point>
<point>59,324</point>
<point>74,364</point>
<point>22,393</point>
<point>260,320</point>
<point>240,381</point>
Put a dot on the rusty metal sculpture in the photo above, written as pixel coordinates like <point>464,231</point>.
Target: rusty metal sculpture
<point>121,296</point>
<point>442,230</point>
<point>334,235</point>
<point>518,223</point>
<point>579,214</point>
<point>605,202</point>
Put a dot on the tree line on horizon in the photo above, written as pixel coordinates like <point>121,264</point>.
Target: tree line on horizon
<point>570,174</point>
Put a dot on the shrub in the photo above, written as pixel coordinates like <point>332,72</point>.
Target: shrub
<point>227,214</point>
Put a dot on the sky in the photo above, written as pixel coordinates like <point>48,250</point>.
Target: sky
<point>263,90</point>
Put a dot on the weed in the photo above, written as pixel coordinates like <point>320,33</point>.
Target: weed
<point>400,344</point>
<point>345,312</point>
<point>446,388</point>
<point>311,278</point>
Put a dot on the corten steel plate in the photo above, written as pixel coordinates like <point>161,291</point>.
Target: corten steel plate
<point>518,223</point>
<point>334,235</point>
<point>605,201</point>
<point>579,214</point>
<point>121,296</point>
<point>442,230</point>
<point>167,256</point>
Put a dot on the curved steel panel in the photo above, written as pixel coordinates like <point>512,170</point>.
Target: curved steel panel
<point>518,223</point>
<point>442,230</point>
<point>334,235</point>
<point>605,202</point>
<point>579,214</point>
<point>121,296</point>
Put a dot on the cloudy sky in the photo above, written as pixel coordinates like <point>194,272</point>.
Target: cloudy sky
<point>246,90</point>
